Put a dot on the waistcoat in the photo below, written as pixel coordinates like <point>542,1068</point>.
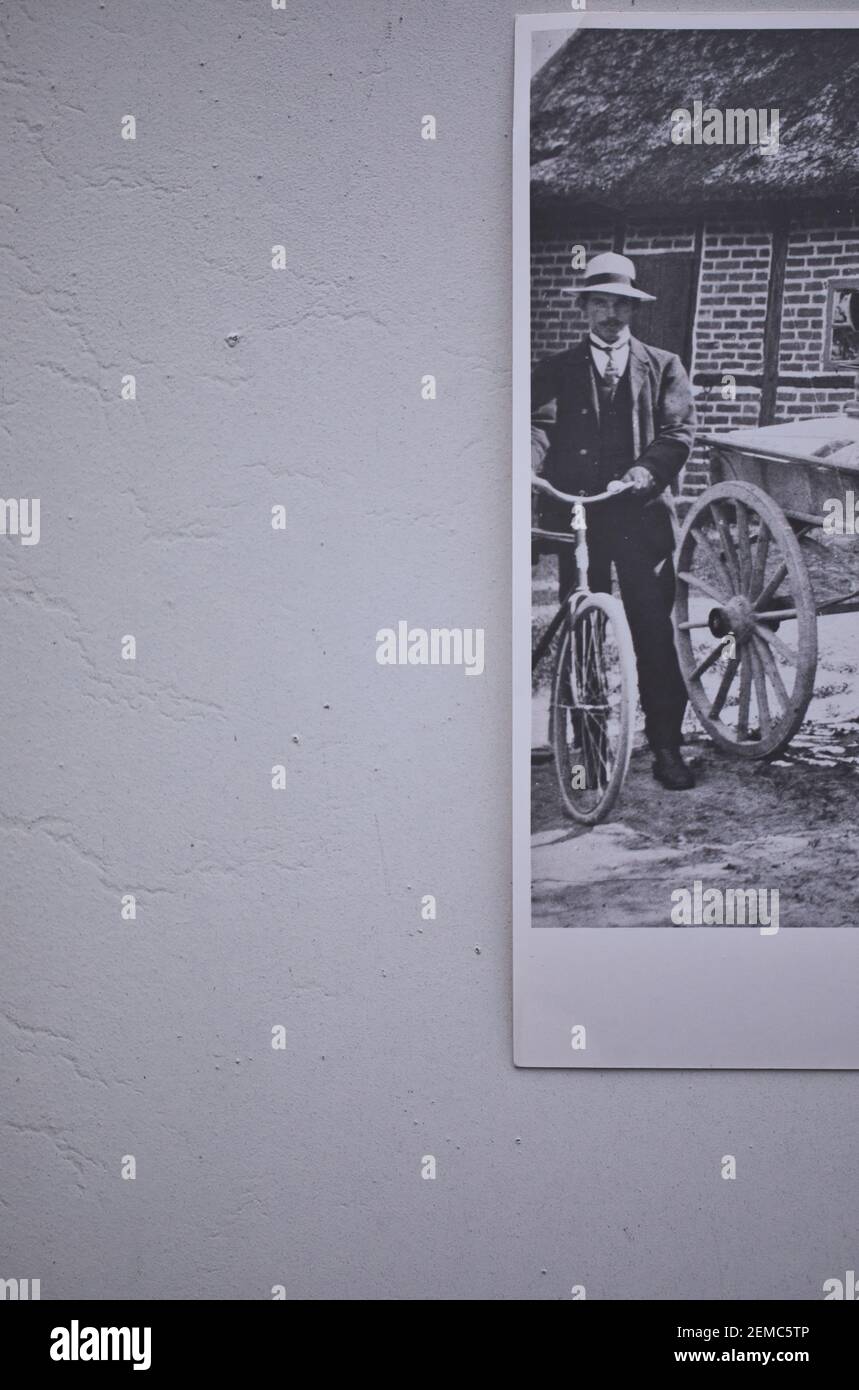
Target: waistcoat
<point>616,443</point>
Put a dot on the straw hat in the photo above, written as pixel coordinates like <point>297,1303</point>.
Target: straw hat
<point>610,273</point>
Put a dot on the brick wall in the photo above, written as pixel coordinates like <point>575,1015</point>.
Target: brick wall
<point>795,402</point>
<point>819,250</point>
<point>716,415</point>
<point>729,330</point>
<point>732,298</point>
<point>644,237</point>
<point>555,319</point>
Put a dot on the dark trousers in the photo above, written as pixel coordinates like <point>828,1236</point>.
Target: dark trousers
<point>648,598</point>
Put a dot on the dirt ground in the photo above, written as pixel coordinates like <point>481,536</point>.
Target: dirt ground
<point>791,824</point>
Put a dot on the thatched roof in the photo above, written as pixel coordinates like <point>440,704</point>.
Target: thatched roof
<point>601,109</point>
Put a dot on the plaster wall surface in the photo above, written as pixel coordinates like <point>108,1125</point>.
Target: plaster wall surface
<point>255,647</point>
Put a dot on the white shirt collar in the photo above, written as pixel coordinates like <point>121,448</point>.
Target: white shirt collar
<point>622,340</point>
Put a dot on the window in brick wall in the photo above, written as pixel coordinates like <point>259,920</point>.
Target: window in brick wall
<point>841,340</point>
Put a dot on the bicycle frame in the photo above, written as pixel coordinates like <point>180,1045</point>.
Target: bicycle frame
<point>579,526</point>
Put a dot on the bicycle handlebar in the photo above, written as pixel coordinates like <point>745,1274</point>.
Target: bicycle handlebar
<point>613,490</point>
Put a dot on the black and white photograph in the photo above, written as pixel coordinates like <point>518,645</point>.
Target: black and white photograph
<point>692,205</point>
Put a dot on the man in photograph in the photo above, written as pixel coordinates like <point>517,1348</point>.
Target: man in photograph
<point>613,408</point>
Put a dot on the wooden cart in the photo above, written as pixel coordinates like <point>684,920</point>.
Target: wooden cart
<point>761,555</point>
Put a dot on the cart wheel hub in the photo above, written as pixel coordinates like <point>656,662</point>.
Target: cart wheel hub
<point>736,616</point>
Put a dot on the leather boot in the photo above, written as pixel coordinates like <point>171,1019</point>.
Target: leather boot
<point>670,769</point>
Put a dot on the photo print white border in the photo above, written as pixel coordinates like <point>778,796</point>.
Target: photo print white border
<point>640,997</point>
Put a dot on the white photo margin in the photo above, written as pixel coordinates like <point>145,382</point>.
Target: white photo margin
<point>665,997</point>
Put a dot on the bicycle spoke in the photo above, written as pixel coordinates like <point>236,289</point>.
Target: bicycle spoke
<point>597,746</point>
<point>593,726</point>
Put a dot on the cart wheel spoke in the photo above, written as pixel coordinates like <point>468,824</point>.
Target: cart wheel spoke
<point>759,567</point>
<point>789,654</point>
<point>709,660</point>
<point>745,698</point>
<point>728,548</point>
<point>744,551</point>
<point>696,583</point>
<point>766,594</point>
<point>724,686</point>
<point>772,672</point>
<point>764,718</point>
<point>716,561</point>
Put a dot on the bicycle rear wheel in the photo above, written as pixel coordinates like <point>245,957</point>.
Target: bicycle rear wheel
<point>592,712</point>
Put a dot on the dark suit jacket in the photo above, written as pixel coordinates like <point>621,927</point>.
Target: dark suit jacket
<point>565,430</point>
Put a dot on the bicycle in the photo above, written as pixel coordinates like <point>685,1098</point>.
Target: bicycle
<point>593,688</point>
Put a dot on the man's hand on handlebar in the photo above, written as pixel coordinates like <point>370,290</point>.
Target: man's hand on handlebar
<point>639,478</point>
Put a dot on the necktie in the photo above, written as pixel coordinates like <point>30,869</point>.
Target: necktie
<point>611,376</point>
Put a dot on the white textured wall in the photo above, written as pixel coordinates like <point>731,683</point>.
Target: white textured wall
<point>257,907</point>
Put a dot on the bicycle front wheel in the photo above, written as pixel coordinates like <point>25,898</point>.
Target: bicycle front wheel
<point>592,714</point>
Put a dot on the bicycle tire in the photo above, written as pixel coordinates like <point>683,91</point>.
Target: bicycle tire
<point>623,700</point>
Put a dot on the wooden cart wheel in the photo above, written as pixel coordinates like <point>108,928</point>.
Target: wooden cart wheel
<point>745,620</point>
